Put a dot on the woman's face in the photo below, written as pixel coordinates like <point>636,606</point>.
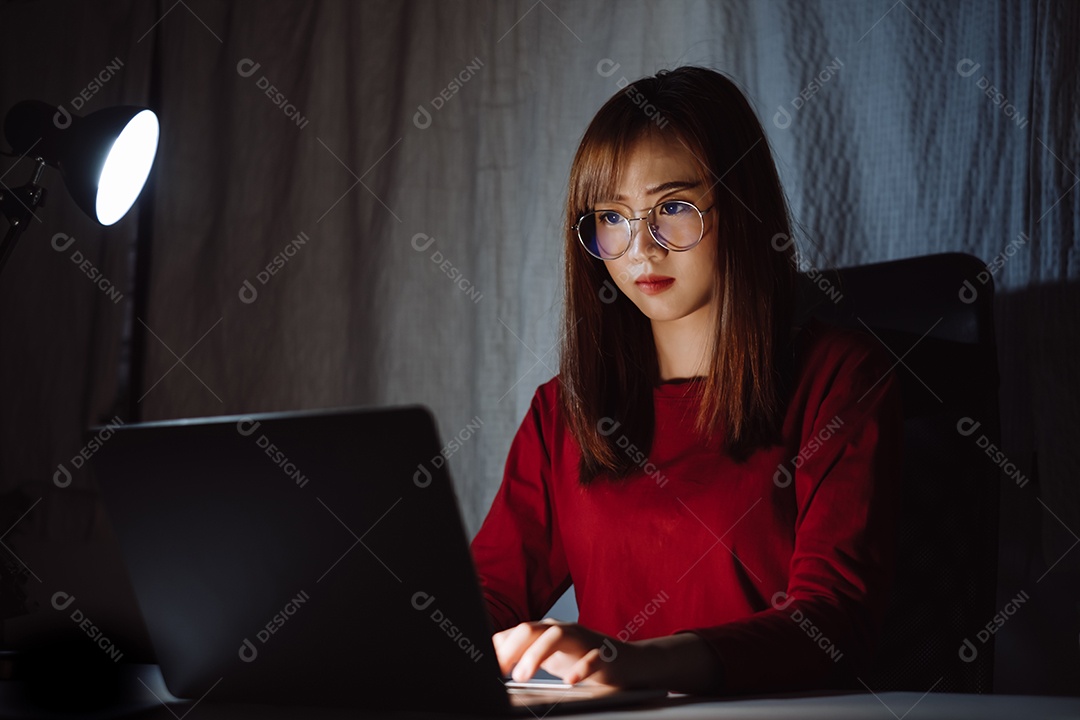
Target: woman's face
<point>657,170</point>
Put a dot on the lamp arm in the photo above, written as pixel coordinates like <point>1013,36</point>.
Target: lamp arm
<point>18,206</point>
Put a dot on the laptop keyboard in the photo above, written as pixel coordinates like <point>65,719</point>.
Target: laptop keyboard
<point>541,693</point>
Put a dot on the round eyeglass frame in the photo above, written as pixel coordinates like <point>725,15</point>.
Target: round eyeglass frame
<point>576,227</point>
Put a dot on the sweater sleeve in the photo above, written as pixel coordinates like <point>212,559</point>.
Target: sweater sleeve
<point>518,551</point>
<point>825,624</point>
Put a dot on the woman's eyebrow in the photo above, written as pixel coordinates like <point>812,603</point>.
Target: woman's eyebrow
<point>666,187</point>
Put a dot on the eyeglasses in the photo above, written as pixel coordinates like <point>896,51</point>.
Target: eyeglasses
<point>675,225</point>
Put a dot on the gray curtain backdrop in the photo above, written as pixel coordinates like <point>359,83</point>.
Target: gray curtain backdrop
<point>360,203</point>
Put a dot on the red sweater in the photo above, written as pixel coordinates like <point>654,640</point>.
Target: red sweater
<point>782,563</point>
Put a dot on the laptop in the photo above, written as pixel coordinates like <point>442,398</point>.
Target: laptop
<point>312,558</point>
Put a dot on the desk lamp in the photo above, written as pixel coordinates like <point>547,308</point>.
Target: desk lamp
<point>104,157</point>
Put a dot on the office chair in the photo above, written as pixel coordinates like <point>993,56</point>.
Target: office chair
<point>935,315</point>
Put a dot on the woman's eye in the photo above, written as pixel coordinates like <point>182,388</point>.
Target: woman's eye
<point>673,208</point>
<point>608,218</point>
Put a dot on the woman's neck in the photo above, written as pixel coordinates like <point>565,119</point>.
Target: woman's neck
<point>682,346</point>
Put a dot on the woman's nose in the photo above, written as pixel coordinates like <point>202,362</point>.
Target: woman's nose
<point>642,242</point>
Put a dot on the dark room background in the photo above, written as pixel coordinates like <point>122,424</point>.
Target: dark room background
<point>359,203</point>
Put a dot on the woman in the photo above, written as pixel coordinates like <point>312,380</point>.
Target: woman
<point>716,480</point>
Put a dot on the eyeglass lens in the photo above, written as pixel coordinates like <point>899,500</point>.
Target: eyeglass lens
<point>675,225</point>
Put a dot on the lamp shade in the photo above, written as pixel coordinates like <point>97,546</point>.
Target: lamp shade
<point>104,157</point>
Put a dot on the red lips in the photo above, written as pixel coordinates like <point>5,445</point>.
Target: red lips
<point>652,279</point>
<point>653,284</point>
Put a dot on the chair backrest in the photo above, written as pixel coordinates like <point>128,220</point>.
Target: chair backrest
<point>935,316</point>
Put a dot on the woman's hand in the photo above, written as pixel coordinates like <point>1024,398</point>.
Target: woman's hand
<point>571,652</point>
<point>681,663</point>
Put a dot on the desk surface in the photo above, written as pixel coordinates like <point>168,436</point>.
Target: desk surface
<point>805,706</point>
<point>907,706</point>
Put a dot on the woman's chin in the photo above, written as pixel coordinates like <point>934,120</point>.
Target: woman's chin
<point>661,311</point>
<point>668,308</point>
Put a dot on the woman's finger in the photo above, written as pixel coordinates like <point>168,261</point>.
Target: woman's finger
<point>584,668</point>
<point>539,650</point>
<point>510,644</point>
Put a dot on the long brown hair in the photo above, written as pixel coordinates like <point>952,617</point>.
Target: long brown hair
<point>608,362</point>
